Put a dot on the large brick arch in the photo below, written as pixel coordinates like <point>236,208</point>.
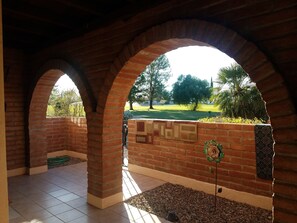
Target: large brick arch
<point>47,76</point>
<point>171,35</point>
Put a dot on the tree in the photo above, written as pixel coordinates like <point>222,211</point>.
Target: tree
<point>190,90</point>
<point>136,92</point>
<point>156,75</point>
<point>54,95</point>
<point>61,101</point>
<point>237,96</point>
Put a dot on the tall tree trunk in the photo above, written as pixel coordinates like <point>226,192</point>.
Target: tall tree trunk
<point>151,104</point>
<point>131,104</point>
<point>195,106</point>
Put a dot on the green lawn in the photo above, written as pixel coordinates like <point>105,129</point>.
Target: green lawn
<point>176,112</point>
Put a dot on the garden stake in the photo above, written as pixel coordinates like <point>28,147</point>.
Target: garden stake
<point>214,153</point>
<point>216,186</point>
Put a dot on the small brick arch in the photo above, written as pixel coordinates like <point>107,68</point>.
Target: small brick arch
<point>171,35</point>
<point>47,76</point>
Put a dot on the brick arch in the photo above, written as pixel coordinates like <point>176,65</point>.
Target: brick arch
<point>171,35</point>
<point>47,76</point>
<point>174,34</point>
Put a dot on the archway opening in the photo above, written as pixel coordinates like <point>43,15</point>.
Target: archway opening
<point>135,64</point>
<point>42,141</point>
<point>65,125</point>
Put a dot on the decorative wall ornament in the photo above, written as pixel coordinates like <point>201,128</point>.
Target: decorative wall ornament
<point>213,151</point>
<point>264,151</point>
<point>165,129</point>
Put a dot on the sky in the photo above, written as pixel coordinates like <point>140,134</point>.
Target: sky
<point>201,61</point>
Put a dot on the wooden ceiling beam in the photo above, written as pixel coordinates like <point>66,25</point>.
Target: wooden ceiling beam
<point>25,30</point>
<point>81,6</point>
<point>34,15</point>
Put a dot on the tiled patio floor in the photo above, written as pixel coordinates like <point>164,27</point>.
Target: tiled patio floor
<point>60,196</point>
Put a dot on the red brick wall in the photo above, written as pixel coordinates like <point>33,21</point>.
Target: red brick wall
<point>14,108</point>
<point>66,134</point>
<point>56,130</point>
<point>77,135</point>
<point>237,170</point>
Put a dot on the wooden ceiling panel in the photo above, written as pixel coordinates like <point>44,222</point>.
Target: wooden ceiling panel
<point>282,43</point>
<point>277,31</point>
<point>58,20</point>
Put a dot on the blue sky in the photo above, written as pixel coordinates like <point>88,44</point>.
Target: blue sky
<point>201,61</point>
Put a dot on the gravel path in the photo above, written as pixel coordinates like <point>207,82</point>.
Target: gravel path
<point>194,206</point>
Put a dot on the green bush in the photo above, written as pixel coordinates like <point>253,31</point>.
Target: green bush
<point>232,120</point>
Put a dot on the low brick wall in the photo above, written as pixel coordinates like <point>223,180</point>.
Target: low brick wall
<point>56,130</point>
<point>185,158</point>
<point>77,135</point>
<point>66,134</point>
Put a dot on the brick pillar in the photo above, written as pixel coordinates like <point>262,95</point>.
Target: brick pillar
<point>104,161</point>
<point>37,121</point>
<point>38,143</point>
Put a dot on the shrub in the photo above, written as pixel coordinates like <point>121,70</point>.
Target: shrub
<point>232,120</point>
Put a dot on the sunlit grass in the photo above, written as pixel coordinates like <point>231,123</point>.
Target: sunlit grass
<point>176,112</point>
<point>175,107</point>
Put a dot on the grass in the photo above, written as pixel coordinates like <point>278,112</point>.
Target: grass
<point>176,112</point>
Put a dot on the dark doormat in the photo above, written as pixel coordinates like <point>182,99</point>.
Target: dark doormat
<point>193,206</point>
<point>63,161</point>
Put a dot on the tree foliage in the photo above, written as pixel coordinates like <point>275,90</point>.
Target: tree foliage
<point>66,103</point>
<point>237,96</point>
<point>190,90</point>
<point>136,92</point>
<point>155,77</point>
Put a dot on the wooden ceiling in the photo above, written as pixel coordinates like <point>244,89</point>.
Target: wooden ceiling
<point>270,24</point>
<point>33,24</point>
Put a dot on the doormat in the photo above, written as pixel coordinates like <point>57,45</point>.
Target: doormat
<point>62,161</point>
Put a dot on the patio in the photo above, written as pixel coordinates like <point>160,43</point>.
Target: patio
<point>59,195</point>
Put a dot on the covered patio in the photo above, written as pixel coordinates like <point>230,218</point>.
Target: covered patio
<point>60,195</point>
<point>103,48</point>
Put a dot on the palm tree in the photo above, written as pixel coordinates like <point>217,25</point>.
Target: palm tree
<point>237,96</point>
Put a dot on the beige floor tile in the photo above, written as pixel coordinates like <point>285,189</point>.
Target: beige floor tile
<point>52,219</point>
<point>70,215</point>
<point>77,202</point>
<point>60,208</point>
<point>49,203</point>
<point>60,196</point>
<point>86,219</point>
<point>68,197</point>
<point>17,220</point>
<point>13,213</point>
<point>60,192</point>
<point>38,215</point>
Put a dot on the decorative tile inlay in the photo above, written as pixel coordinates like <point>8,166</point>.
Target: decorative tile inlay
<point>140,127</point>
<point>141,139</point>
<point>165,129</point>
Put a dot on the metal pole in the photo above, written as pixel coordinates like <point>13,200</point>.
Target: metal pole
<point>216,184</point>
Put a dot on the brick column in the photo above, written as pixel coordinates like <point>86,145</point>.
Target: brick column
<point>104,160</point>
